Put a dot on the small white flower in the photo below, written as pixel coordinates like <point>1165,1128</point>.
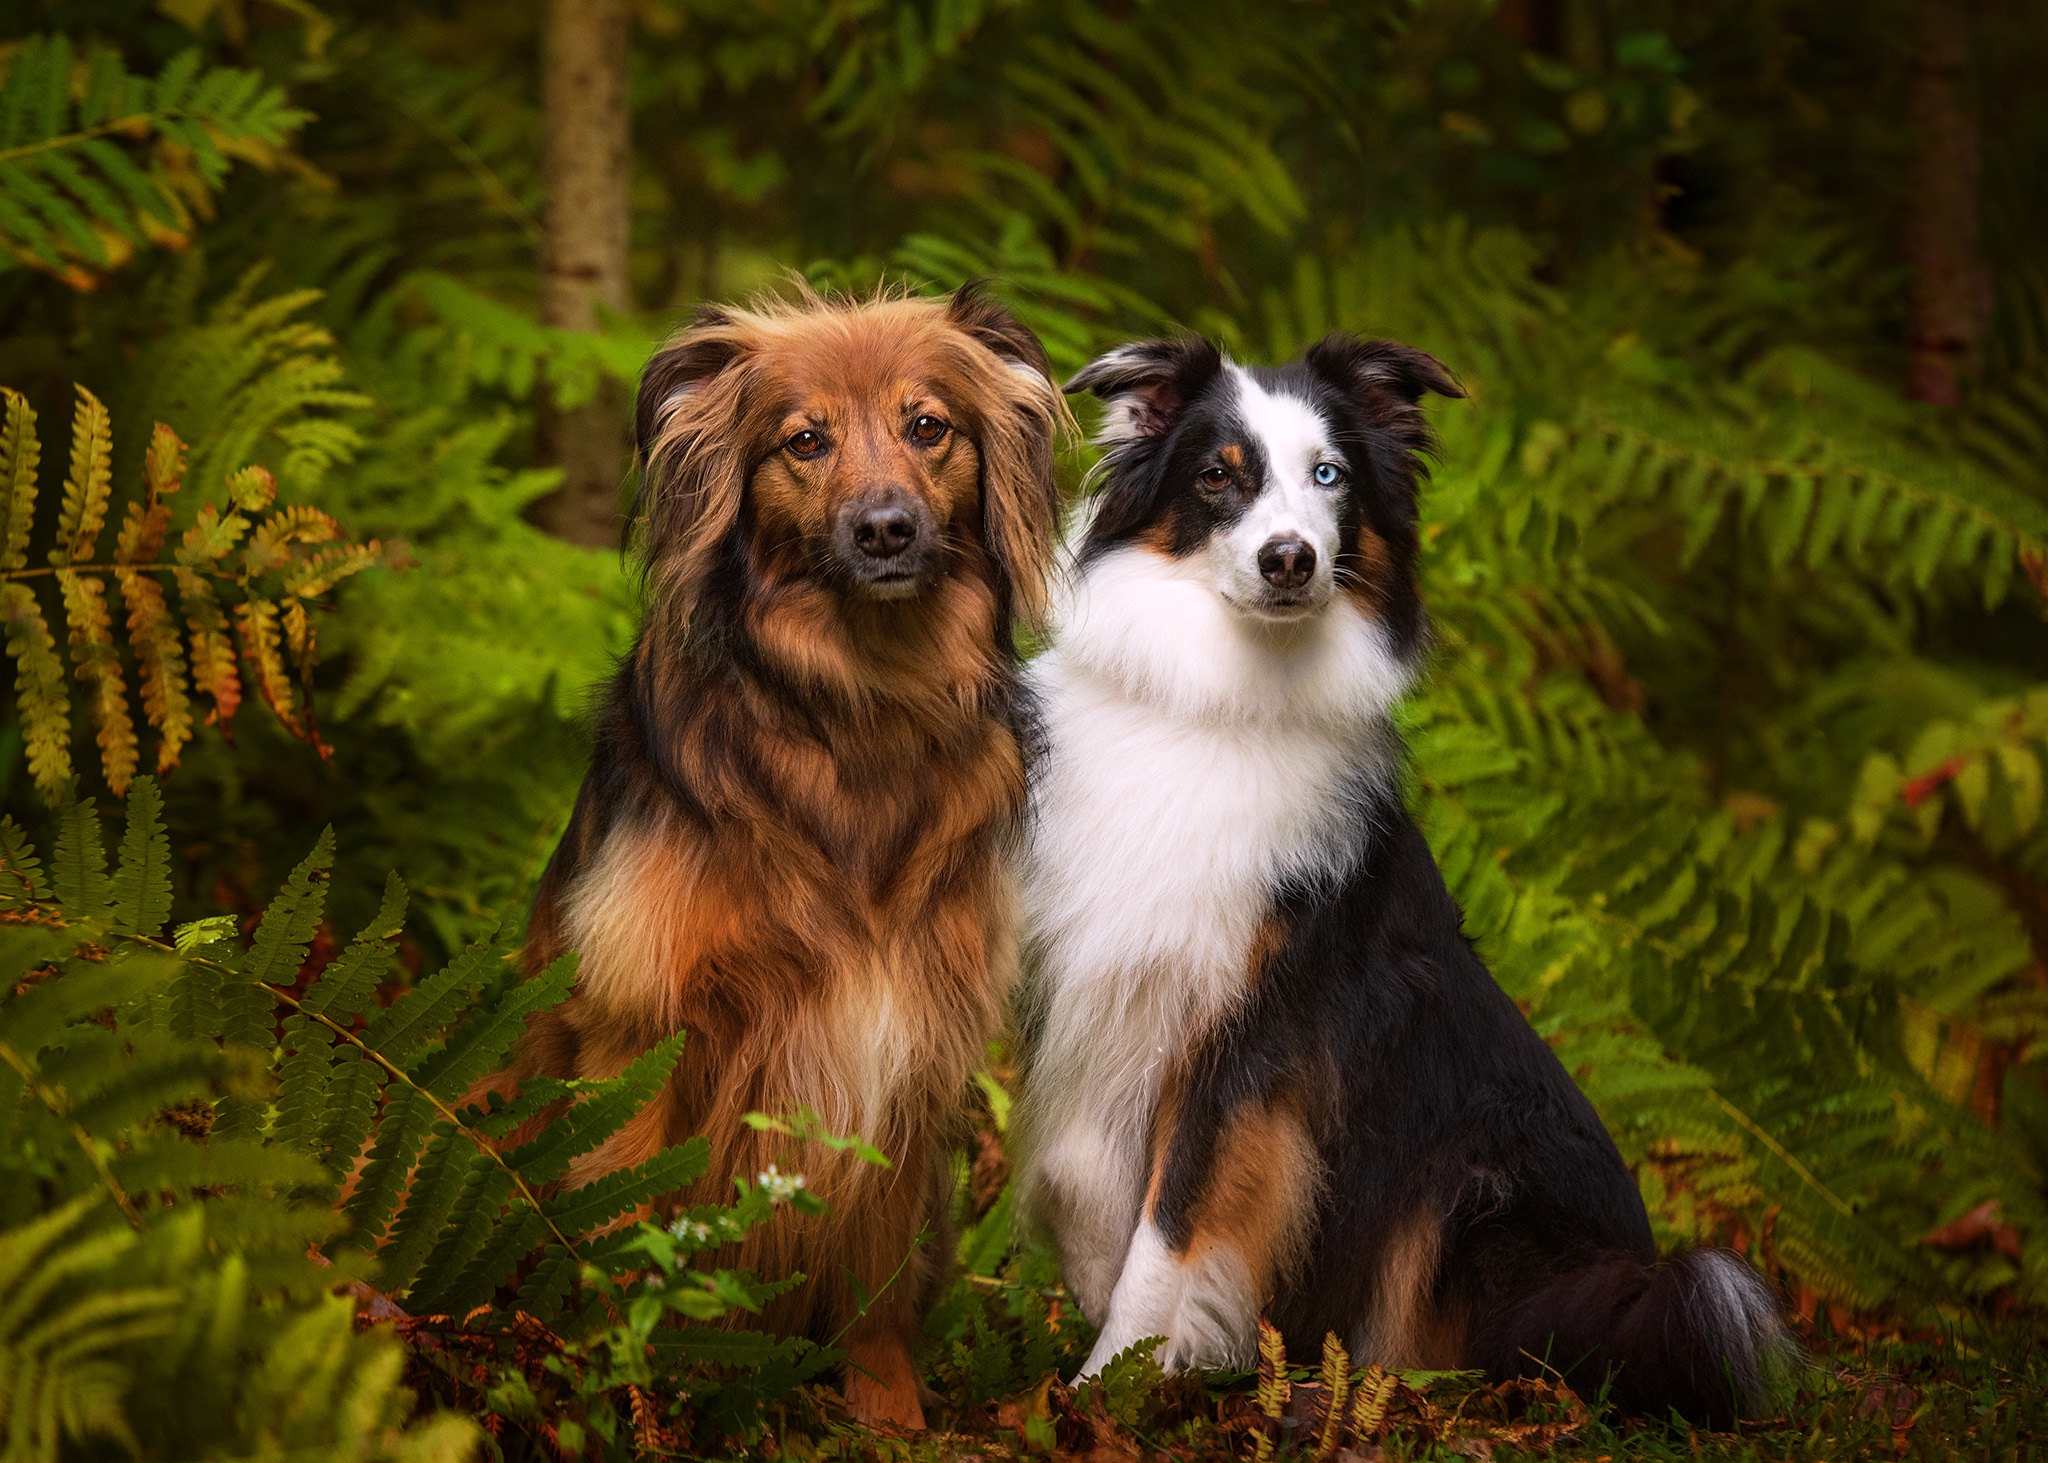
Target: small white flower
<point>780,1187</point>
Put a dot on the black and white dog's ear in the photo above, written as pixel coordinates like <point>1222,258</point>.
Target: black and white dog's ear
<point>1145,385</point>
<point>1386,379</point>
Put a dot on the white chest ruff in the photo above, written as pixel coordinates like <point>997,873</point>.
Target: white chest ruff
<point>1195,765</point>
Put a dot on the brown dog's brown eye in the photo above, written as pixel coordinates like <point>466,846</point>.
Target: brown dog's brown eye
<point>927,430</point>
<point>1215,477</point>
<point>805,444</point>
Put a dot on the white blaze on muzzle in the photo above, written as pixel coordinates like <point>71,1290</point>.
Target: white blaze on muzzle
<point>1291,505</point>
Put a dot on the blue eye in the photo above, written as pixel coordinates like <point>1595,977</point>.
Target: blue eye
<point>1328,474</point>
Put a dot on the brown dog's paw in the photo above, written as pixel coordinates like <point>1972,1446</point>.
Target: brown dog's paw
<point>882,1386</point>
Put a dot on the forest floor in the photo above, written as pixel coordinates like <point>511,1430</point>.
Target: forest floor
<point>1934,1398</point>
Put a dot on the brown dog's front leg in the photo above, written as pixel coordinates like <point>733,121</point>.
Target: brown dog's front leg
<point>881,1379</point>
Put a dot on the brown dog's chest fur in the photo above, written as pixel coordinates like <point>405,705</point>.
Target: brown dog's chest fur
<point>831,925</point>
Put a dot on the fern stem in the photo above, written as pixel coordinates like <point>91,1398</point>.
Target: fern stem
<point>1784,1155</point>
<point>52,1100</point>
<point>72,139</point>
<point>397,1073</point>
<point>7,574</point>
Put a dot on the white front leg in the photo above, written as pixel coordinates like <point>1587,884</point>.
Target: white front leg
<point>1203,1303</point>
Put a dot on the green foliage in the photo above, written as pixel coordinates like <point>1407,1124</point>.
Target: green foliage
<point>1732,748</point>
<point>78,196</point>
<point>161,1099</point>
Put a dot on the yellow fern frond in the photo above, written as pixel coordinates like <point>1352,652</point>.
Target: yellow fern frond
<point>298,637</point>
<point>213,653</point>
<point>39,690</point>
<point>98,664</point>
<point>252,489</point>
<point>164,469</point>
<point>257,628</point>
<point>89,483</point>
<point>160,662</point>
<point>1336,1393</point>
<point>318,573</point>
<point>211,536</point>
<point>1369,1409</point>
<point>20,456</point>
<point>1273,1386</point>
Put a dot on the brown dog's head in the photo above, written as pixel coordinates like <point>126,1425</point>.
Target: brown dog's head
<point>864,450</point>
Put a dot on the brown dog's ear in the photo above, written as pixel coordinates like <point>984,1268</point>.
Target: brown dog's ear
<point>1387,380</point>
<point>1145,384</point>
<point>1020,430</point>
<point>693,439</point>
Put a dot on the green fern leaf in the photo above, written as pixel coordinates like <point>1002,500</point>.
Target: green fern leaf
<point>403,1126</point>
<point>21,872</point>
<point>345,987</point>
<point>415,1020</point>
<point>604,1199</point>
<point>78,869</point>
<point>142,885</point>
<point>288,926</point>
<point>479,1044</point>
<point>471,1223</point>
<point>602,1109</point>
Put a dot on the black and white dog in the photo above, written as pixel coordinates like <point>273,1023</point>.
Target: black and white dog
<point>1263,1067</point>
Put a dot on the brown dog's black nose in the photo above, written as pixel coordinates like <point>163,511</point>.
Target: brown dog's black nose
<point>884,530</point>
<point>1287,563</point>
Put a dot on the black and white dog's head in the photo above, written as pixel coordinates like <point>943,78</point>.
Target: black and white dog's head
<point>1283,487</point>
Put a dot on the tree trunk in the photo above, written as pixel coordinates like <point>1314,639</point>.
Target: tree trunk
<point>1947,311</point>
<point>587,171</point>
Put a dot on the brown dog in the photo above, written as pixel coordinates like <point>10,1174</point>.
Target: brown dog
<point>791,837</point>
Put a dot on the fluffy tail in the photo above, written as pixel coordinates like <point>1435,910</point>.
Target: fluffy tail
<point>1698,1333</point>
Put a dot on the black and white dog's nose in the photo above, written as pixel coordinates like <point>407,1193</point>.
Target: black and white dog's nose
<point>1287,563</point>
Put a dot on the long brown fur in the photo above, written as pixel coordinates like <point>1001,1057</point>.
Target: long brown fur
<point>791,840</point>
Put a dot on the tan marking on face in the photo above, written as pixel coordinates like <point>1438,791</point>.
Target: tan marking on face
<point>1366,581</point>
<point>1233,457</point>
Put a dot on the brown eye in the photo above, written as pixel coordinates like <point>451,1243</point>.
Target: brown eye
<point>927,430</point>
<point>1215,477</point>
<point>805,444</point>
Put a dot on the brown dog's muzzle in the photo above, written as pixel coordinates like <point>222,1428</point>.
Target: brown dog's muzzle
<point>885,543</point>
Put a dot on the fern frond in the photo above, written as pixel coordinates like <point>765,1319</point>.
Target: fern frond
<point>477,1046</point>
<point>83,177</point>
<point>602,1200</point>
<point>39,689</point>
<point>256,626</point>
<point>98,664</point>
<point>213,652</point>
<point>142,884</point>
<point>88,485</point>
<point>601,1110</point>
<point>21,876</point>
<point>20,457</point>
<point>78,868</point>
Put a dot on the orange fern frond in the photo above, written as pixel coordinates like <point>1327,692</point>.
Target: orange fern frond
<point>256,626</point>
<point>160,663</point>
<point>213,653</point>
<point>98,664</point>
<point>142,533</point>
